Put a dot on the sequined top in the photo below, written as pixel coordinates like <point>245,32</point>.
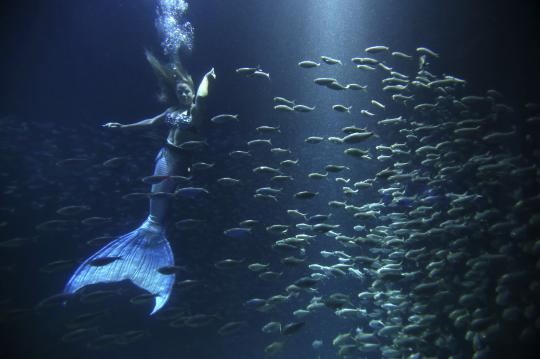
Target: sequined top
<point>179,119</point>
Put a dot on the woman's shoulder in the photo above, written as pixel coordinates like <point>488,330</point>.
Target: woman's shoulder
<point>176,110</point>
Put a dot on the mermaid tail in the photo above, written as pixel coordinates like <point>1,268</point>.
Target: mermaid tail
<point>141,252</point>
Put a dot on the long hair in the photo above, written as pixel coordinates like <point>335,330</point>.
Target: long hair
<point>169,75</point>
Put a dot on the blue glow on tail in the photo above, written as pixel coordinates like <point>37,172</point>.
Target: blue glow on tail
<point>142,252</point>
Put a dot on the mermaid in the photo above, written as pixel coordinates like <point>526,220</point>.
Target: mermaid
<point>144,255</point>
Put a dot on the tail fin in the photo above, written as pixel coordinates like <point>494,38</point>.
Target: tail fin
<point>142,252</point>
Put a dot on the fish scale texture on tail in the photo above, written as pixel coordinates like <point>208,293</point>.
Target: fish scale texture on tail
<point>142,252</point>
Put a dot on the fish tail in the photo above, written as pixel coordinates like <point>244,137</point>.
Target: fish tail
<point>143,251</point>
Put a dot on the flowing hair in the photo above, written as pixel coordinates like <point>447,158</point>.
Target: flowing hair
<point>169,75</point>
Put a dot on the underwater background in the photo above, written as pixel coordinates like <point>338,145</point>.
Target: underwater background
<point>442,260</point>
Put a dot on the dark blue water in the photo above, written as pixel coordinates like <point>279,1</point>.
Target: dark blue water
<point>68,67</point>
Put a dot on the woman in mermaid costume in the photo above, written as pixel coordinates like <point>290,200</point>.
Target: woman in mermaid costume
<point>137,256</point>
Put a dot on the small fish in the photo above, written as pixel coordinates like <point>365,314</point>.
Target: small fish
<point>392,121</point>
<point>295,212</point>
<point>357,87</point>
<point>103,261</point>
<point>283,108</point>
<point>318,218</point>
<point>72,210</point>
<point>308,64</point>
<point>193,145</point>
<point>266,169</point>
<point>314,139</point>
<point>336,86</point>
<point>353,129</point>
<point>115,162</point>
<point>341,108</point>
<point>227,181</point>
<point>259,142</point>
<point>228,263</point>
<point>100,241</point>
<point>224,118</point>
<point>239,154</point>
<point>191,192</point>
<point>277,228</point>
<point>188,223</point>
<point>331,61</point>
<point>198,166</point>
<point>306,282</point>
<point>303,108</point>
<point>99,295</point>
<point>401,55</point>
<point>384,67</point>
<point>292,328</point>
<point>268,190</point>
<point>365,67</point>
<point>268,129</point>
<point>357,137</point>
<point>336,140</point>
<point>357,152</point>
<point>284,101</point>
<point>377,49</point>
<point>364,60</point>
<point>265,197</point>
<point>281,178</point>
<point>238,232</point>
<point>57,266</point>
<point>247,70</point>
<point>261,74</point>
<point>254,303</point>
<point>270,276</point>
<point>378,104</point>
<point>335,168</point>
<point>289,163</point>
<point>426,51</point>
<point>54,300</point>
<point>280,151</point>
<point>367,113</point>
<point>274,348</point>
<point>305,195</point>
<point>257,267</point>
<point>171,270</point>
<point>317,176</point>
<point>271,327</point>
<point>249,223</point>
<point>324,81</point>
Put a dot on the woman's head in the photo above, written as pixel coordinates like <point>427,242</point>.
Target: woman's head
<point>184,94</point>
<point>175,83</point>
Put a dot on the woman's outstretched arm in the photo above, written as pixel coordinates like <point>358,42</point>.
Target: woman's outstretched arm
<point>150,122</point>
<point>200,97</point>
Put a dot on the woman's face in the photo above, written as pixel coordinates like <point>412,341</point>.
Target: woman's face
<point>184,94</point>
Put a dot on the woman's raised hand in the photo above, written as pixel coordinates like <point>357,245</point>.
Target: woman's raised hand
<point>211,74</point>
